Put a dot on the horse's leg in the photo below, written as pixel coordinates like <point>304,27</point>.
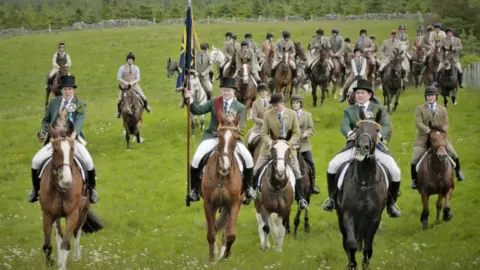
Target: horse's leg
<point>368,243</point>
<point>211,230</point>
<point>425,212</point>
<point>58,237</point>
<point>72,221</point>
<point>47,237</point>
<point>445,98</point>
<point>314,93</point>
<point>351,241</point>
<point>447,214</point>
<point>278,230</point>
<point>263,230</point>
<point>137,131</point>
<point>439,206</point>
<point>397,97</point>
<point>230,234</point>
<point>127,137</point>
<point>306,224</point>
<point>202,122</point>
<point>324,91</point>
<point>296,221</point>
<point>454,96</point>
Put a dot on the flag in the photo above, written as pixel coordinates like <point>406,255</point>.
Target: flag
<point>189,45</point>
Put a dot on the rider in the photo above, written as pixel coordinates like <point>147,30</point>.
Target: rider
<point>236,45</point>
<point>405,44</point>
<point>228,50</point>
<point>246,56</point>
<point>60,58</point>
<point>387,48</point>
<point>456,44</point>
<point>128,75</point>
<point>338,47</point>
<point>259,107</point>
<point>265,47</point>
<point>348,46</point>
<point>364,101</point>
<point>251,44</point>
<point>359,64</point>
<point>434,114</point>
<point>428,44</point>
<point>60,110</point>
<point>289,121</point>
<point>203,66</point>
<point>284,44</point>
<point>366,45</point>
<point>438,34</point>
<point>307,130</point>
<point>319,43</point>
<point>227,104</point>
<point>375,50</point>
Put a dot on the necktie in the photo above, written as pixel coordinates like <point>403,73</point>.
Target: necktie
<point>298,114</point>
<point>64,105</point>
<point>279,115</point>
<point>432,108</point>
<point>361,41</point>
<point>362,107</point>
<point>130,69</point>
<point>264,103</point>
<point>225,106</point>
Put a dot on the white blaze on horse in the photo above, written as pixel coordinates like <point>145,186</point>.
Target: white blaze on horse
<point>199,97</point>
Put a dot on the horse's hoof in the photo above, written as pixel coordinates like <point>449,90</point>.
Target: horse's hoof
<point>307,229</point>
<point>425,225</point>
<point>141,140</point>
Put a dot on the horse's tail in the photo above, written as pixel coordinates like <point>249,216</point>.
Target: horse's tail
<point>92,223</point>
<point>222,219</point>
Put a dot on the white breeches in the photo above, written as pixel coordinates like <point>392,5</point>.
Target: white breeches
<point>137,90</point>
<point>81,153</point>
<point>381,157</point>
<point>292,162</point>
<point>386,60</point>
<point>276,61</point>
<point>53,72</point>
<point>457,66</point>
<point>209,144</point>
<point>206,84</point>
<point>252,136</point>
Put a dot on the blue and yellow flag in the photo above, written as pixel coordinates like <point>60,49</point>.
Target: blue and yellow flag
<point>189,44</point>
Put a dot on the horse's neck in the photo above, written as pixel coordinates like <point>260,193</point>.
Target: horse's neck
<point>199,94</point>
<point>366,170</point>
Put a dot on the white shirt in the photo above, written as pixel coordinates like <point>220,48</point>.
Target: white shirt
<point>366,106</point>
<point>354,66</point>
<point>299,112</point>
<point>120,72</point>
<point>229,103</point>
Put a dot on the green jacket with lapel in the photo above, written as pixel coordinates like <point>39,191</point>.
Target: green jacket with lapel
<point>51,114</point>
<point>351,115</point>
<point>215,106</point>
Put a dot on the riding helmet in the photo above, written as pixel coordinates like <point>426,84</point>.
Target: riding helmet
<point>448,29</point>
<point>363,31</point>
<point>319,31</point>
<point>234,37</point>
<point>61,44</point>
<point>269,35</point>
<point>244,43</point>
<point>335,30</point>
<point>130,55</point>
<point>431,90</point>
<point>402,27</point>
<point>297,97</point>
<point>437,25</point>
<point>357,49</point>
<point>276,98</point>
<point>372,37</point>
<point>286,34</point>
<point>429,28</point>
<point>248,35</point>
<point>262,87</point>
<point>347,40</point>
<point>228,34</point>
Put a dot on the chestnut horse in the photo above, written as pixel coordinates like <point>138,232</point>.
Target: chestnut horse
<point>435,175</point>
<point>55,84</point>
<point>284,75</point>
<point>246,87</point>
<point>222,188</point>
<point>64,194</point>
<point>418,62</point>
<point>266,67</point>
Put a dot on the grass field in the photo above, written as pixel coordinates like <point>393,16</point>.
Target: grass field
<point>142,192</point>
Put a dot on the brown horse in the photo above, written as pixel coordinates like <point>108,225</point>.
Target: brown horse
<point>284,75</point>
<point>172,67</point>
<point>448,77</point>
<point>418,62</point>
<point>435,175</point>
<point>53,85</point>
<point>273,206</point>
<point>432,65</point>
<point>132,112</point>
<point>320,76</point>
<point>246,87</point>
<point>266,67</point>
<point>301,60</point>
<point>337,74</point>
<point>64,194</point>
<point>306,172</point>
<point>222,188</point>
<point>392,81</point>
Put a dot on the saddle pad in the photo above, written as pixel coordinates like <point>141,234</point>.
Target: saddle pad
<point>237,157</point>
<point>344,171</point>
<point>290,175</point>
<point>79,164</point>
<point>424,155</point>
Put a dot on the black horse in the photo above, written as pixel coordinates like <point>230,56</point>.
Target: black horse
<point>364,194</point>
<point>392,81</point>
<point>448,77</point>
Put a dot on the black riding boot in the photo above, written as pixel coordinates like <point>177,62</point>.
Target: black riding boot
<point>294,76</point>
<point>458,172</point>
<point>194,184</point>
<point>272,76</point>
<point>329,204</point>
<point>119,109</point>
<point>145,106</point>
<point>220,73</point>
<point>309,159</point>
<point>210,74</point>
<point>300,192</point>
<point>435,77</point>
<point>392,208</point>
<point>248,184</point>
<point>33,195</point>
<point>92,183</point>
<point>344,95</point>
<point>414,174</point>
<point>460,79</point>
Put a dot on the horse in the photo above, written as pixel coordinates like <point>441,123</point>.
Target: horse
<point>364,194</point>
<point>306,172</point>
<point>246,87</point>
<point>392,81</point>
<point>432,65</point>
<point>447,78</point>
<point>284,75</point>
<point>301,60</point>
<point>132,110</point>
<point>435,175</point>
<point>199,97</point>
<point>64,194</point>
<point>219,58</point>
<point>337,73</point>
<point>222,189</point>
<point>53,85</point>
<point>320,76</point>
<point>273,206</point>
<point>418,60</point>
<point>266,67</point>
<point>172,67</point>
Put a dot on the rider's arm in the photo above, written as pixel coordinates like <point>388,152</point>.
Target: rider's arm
<point>341,51</point>
<point>80,119</point>
<point>345,126</point>
<point>255,117</point>
<point>201,109</point>
<point>310,130</point>
<point>295,131</point>
<point>382,49</point>
<point>119,75</point>
<point>69,61</point>
<point>419,121</point>
<point>459,46</point>
<point>238,61</point>
<point>54,60</point>
<point>137,76</point>
<point>266,139</point>
<point>445,120</point>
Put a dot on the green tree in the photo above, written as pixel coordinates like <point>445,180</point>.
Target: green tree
<point>258,8</point>
<point>78,14</point>
<point>28,17</point>
<point>44,17</point>
<point>145,12</point>
<point>159,15</point>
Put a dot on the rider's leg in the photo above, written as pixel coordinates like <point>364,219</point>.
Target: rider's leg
<point>43,154</point>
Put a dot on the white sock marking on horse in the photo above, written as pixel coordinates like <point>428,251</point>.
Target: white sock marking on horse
<point>58,238</point>
<point>261,234</point>
<point>62,259</point>
<point>278,230</point>
<point>78,250</point>
<point>66,180</point>
<point>222,252</point>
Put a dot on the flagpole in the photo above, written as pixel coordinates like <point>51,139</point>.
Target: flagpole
<point>187,80</point>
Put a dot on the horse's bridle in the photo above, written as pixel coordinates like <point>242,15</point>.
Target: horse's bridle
<point>56,168</point>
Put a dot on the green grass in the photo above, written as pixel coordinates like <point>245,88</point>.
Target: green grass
<point>142,191</point>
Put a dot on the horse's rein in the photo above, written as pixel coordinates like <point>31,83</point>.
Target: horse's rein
<point>58,166</point>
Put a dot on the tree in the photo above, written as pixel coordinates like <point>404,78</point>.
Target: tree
<point>78,14</point>
<point>160,14</point>
<point>258,8</point>
<point>145,12</point>
<point>44,17</point>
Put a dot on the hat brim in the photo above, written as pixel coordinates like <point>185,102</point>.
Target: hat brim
<point>229,86</point>
<point>275,102</point>
<point>363,88</point>
<point>73,86</point>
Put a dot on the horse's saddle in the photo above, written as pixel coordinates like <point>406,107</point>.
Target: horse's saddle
<point>257,179</point>
<point>206,157</point>
<point>80,164</point>
<point>253,144</point>
<point>426,153</point>
<point>342,171</point>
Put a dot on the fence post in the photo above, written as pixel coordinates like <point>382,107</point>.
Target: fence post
<point>286,18</point>
<point>208,19</point>
<point>49,28</point>
<point>233,18</point>
<point>153,20</point>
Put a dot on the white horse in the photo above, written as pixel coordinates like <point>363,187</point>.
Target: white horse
<point>217,57</point>
<point>199,97</point>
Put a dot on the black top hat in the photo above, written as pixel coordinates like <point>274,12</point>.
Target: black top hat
<point>276,98</point>
<point>363,84</point>
<point>262,87</point>
<point>67,81</point>
<point>229,82</point>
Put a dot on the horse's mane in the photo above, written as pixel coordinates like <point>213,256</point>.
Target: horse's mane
<point>438,128</point>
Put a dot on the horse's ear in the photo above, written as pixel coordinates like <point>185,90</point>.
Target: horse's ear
<point>272,135</point>
<point>378,116</point>
<point>362,115</point>
<point>289,135</point>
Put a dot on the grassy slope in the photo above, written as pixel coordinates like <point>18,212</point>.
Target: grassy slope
<point>142,191</point>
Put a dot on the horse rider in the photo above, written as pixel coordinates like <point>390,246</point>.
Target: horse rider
<point>60,58</point>
<point>375,50</point>
<point>251,44</point>
<point>338,47</point>
<point>455,44</point>
<point>359,67</point>
<point>59,111</point>
<point>319,43</point>
<point>364,101</point>
<point>429,44</point>
<point>418,42</point>
<point>259,107</point>
<point>405,44</point>
<point>307,130</point>
<point>348,46</point>
<point>228,50</point>
<point>128,75</point>
<point>204,66</point>
<point>430,113</point>
<point>224,104</point>
<point>367,46</point>
<point>280,121</point>
<point>236,45</point>
<point>387,49</point>
<point>287,45</point>
<point>438,33</point>
<point>265,47</point>
<point>246,56</point>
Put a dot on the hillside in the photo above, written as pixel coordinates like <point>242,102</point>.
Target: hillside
<point>142,192</point>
